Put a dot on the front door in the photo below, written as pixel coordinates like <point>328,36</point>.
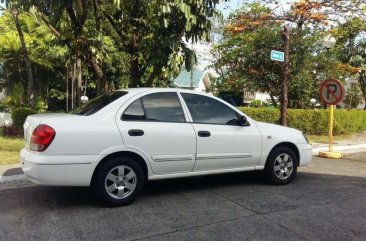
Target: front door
<point>156,125</point>
<point>221,142</point>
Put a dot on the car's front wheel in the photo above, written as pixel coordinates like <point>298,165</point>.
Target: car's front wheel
<point>118,181</point>
<point>281,166</point>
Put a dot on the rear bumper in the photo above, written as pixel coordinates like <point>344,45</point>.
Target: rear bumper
<point>305,152</point>
<point>56,170</point>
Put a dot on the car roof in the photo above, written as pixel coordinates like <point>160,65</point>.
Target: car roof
<point>153,90</point>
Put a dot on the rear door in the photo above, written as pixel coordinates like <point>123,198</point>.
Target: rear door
<point>221,142</point>
<point>155,124</point>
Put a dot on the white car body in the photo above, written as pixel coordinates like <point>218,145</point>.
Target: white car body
<point>168,150</point>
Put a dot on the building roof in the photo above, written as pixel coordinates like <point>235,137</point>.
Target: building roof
<point>184,78</point>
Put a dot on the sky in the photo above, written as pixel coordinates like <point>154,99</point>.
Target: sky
<point>227,7</point>
<point>231,5</point>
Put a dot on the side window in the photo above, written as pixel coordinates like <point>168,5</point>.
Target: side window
<point>155,107</point>
<point>134,112</point>
<point>207,110</point>
<point>163,107</point>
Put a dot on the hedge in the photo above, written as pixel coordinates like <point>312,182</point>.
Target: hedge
<point>314,122</point>
<point>19,115</point>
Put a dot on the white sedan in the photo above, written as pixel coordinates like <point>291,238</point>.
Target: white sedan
<point>116,142</point>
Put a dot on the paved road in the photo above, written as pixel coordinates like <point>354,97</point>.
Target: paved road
<point>327,201</point>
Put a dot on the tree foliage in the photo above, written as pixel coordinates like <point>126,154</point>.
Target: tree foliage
<point>243,56</point>
<point>118,43</point>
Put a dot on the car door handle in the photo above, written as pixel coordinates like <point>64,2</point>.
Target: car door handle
<point>136,132</point>
<point>204,133</point>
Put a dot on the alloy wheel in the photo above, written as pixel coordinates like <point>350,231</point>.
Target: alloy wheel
<point>120,182</point>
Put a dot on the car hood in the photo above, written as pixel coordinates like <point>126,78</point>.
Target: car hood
<point>280,132</point>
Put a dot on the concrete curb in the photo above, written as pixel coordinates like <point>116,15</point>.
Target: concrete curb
<point>348,148</point>
<point>20,178</point>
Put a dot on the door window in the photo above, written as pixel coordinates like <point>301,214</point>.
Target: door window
<point>207,110</point>
<point>163,107</point>
<point>134,112</point>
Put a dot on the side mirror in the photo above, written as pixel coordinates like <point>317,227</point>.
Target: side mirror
<point>243,121</point>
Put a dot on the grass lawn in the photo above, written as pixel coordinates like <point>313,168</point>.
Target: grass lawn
<point>325,139</point>
<point>9,150</point>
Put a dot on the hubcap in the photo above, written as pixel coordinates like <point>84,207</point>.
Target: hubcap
<point>283,166</point>
<point>120,182</point>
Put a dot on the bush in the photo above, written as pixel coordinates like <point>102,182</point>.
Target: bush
<point>4,107</point>
<point>10,131</point>
<point>314,122</point>
<point>19,115</point>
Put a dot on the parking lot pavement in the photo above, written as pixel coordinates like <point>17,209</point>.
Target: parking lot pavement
<point>327,201</point>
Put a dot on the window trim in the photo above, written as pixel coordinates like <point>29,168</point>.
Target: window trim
<point>143,107</point>
<point>238,114</point>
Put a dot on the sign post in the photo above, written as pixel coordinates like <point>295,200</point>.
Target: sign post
<point>332,92</point>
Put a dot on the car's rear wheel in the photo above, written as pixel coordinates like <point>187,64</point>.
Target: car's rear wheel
<point>281,166</point>
<point>118,181</point>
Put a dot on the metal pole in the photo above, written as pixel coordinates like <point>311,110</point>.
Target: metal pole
<point>331,113</point>
<point>284,85</point>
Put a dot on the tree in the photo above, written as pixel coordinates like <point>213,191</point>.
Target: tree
<point>245,64</point>
<point>352,50</point>
<point>300,15</point>
<point>152,33</point>
<point>42,53</point>
<point>14,7</point>
<point>353,97</point>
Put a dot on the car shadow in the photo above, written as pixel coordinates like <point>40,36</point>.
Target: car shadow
<point>13,171</point>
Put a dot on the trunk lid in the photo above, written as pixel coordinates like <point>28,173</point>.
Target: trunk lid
<point>33,121</point>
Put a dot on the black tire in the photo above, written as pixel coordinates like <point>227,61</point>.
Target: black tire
<point>273,174</point>
<point>116,198</point>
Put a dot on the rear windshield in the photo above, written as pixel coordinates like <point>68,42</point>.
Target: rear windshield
<point>97,104</point>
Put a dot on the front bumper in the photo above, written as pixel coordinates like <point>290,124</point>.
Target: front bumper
<point>306,154</point>
<point>56,170</point>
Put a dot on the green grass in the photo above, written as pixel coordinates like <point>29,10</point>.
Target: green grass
<point>325,139</point>
<point>9,150</point>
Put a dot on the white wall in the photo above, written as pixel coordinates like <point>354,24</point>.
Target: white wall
<point>5,119</point>
<point>262,96</point>
<point>201,87</point>
<point>2,94</point>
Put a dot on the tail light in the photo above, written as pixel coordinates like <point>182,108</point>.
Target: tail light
<point>42,137</point>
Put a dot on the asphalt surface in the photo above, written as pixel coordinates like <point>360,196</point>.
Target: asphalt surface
<point>327,201</point>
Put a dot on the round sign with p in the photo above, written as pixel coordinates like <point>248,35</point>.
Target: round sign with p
<point>332,91</point>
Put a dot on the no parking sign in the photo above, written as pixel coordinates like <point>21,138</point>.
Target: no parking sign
<point>332,92</point>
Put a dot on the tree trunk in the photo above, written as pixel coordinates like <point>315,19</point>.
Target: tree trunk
<point>156,71</point>
<point>134,60</point>
<point>134,70</point>
<point>67,88</point>
<point>73,80</point>
<point>78,82</point>
<point>284,86</point>
<point>26,58</point>
<point>274,103</point>
<point>362,82</point>
<point>101,76</point>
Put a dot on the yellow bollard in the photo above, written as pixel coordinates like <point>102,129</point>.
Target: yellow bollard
<point>330,153</point>
<point>331,114</point>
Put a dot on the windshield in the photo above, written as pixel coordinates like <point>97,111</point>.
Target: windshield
<point>98,103</point>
